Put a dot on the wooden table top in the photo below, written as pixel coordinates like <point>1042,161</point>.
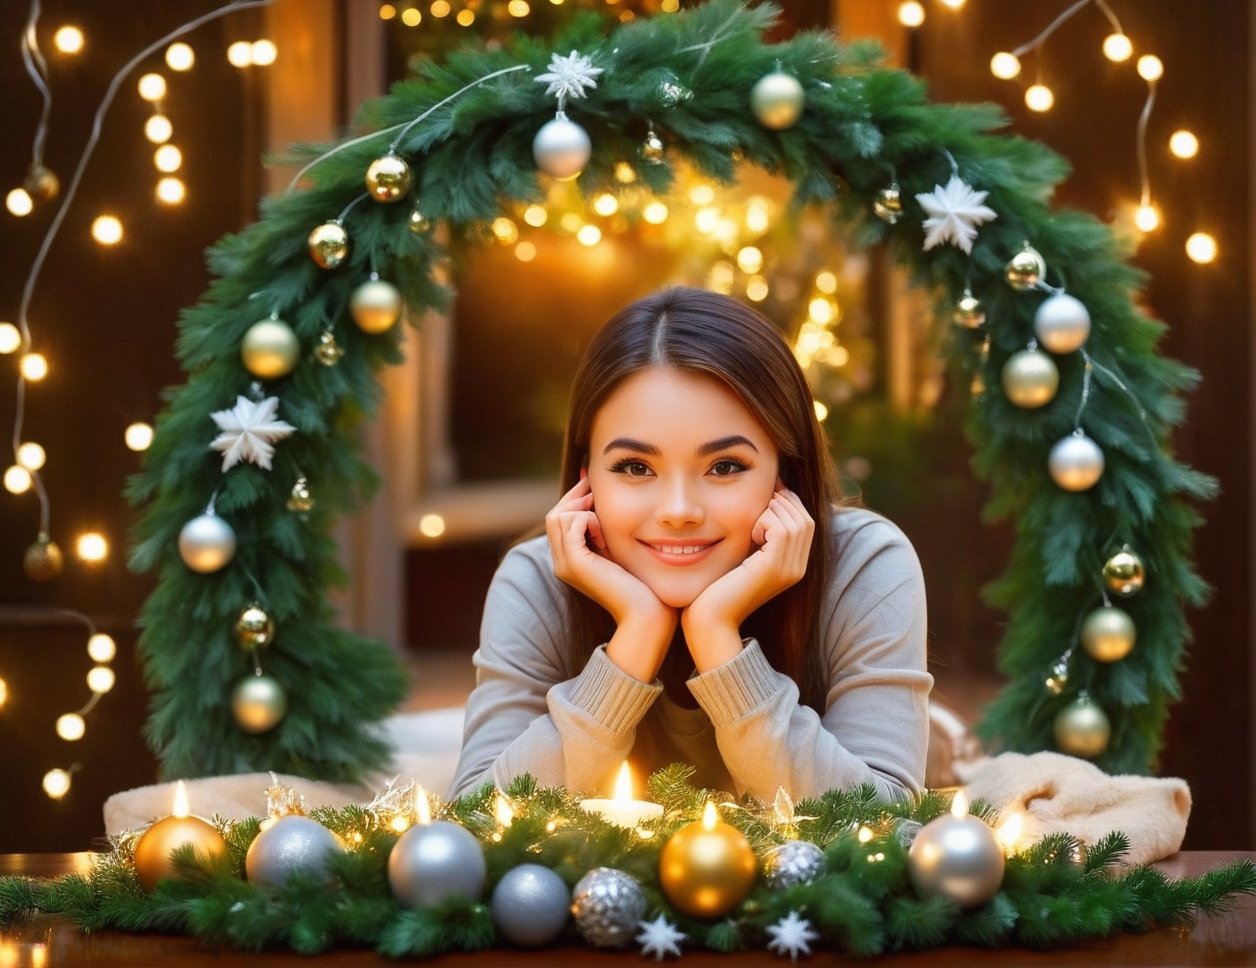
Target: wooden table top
<point>1229,940</point>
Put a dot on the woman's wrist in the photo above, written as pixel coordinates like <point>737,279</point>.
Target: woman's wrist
<point>640,644</point>
<point>712,641</point>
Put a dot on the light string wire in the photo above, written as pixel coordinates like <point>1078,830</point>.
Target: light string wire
<point>67,200</point>
<point>37,68</point>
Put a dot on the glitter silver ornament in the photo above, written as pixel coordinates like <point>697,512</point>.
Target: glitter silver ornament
<point>561,148</point>
<point>793,862</point>
<point>207,543</point>
<point>1030,378</point>
<point>1062,323</point>
<point>530,905</point>
<point>292,845</point>
<point>433,862</point>
<point>258,703</point>
<point>1076,462</point>
<point>608,906</point>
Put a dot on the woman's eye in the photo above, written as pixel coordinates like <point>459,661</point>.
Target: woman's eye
<point>727,467</point>
<point>631,467</point>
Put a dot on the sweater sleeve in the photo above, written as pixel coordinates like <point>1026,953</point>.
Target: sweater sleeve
<point>526,714</point>
<point>874,728</point>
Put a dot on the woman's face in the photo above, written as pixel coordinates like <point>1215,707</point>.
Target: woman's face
<point>680,471</point>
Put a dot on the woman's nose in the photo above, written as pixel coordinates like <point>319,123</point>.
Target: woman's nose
<point>680,507</point>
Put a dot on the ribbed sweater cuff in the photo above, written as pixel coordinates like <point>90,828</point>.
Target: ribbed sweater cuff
<point>738,687</point>
<point>609,695</point>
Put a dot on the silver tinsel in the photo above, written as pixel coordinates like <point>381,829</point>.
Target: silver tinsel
<point>793,862</point>
<point>608,906</point>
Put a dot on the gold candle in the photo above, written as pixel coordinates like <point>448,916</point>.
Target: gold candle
<point>956,856</point>
<point>158,842</point>
<point>708,867</point>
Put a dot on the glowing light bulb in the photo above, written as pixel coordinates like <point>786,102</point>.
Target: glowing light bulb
<point>1039,97</point>
<point>506,232</point>
<point>757,289</point>
<point>1201,248</point>
<point>605,204</point>
<point>56,783</point>
<point>68,39</point>
<point>240,54</point>
<point>107,229</point>
<point>387,11</point>
<point>1005,65</point>
<point>4,692</point>
<point>180,56</point>
<point>71,727</point>
<point>33,367</point>
<point>10,338</point>
<point>441,8</point>
<point>102,647</point>
<point>1183,144</point>
<point>821,311</point>
<point>17,479</point>
<point>670,6</point>
<point>171,190</point>
<point>911,13</point>
<point>750,259</point>
<point>525,251</point>
<point>518,8</point>
<point>152,87</point>
<point>19,202</point>
<point>1147,218</point>
<point>158,129</point>
<point>702,194</point>
<point>431,525</point>
<point>167,158</point>
<point>1117,47</point>
<point>535,215</point>
<point>1150,68</point>
<point>655,213</point>
<point>465,17</point>
<point>100,679</point>
<point>264,52</point>
<point>411,17</point>
<point>92,547</point>
<point>826,281</point>
<point>589,235</point>
<point>954,4</point>
<point>571,222</point>
<point>31,455</point>
<point>138,436</point>
<point>822,412</point>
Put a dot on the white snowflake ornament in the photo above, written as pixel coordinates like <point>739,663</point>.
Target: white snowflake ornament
<point>659,938</point>
<point>792,936</point>
<point>954,211</point>
<point>569,76</point>
<point>249,432</point>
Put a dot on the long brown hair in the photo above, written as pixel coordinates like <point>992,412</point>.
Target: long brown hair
<point>707,333</point>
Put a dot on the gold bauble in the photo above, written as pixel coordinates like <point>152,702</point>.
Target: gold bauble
<point>1076,462</point>
<point>1124,573</point>
<point>328,351</point>
<point>43,560</point>
<point>968,311</point>
<point>388,179</point>
<point>41,183</point>
<point>777,100</point>
<point>1108,634</point>
<point>301,499</point>
<point>254,628</point>
<point>375,306</point>
<point>888,205</point>
<point>1026,269</point>
<point>652,149</point>
<point>328,244</point>
<point>258,704</point>
<point>270,349</point>
<point>707,868</point>
<point>1082,728</point>
<point>1030,378</point>
<point>419,223</point>
<point>1058,678</point>
<point>158,842</point>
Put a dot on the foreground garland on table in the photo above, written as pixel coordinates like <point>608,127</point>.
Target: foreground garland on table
<point>858,899</point>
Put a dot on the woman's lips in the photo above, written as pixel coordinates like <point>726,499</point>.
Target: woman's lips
<point>680,552</point>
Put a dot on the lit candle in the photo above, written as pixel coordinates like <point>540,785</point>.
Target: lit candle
<point>159,841</point>
<point>708,867</point>
<point>623,810</point>
<point>1009,831</point>
<point>956,856</point>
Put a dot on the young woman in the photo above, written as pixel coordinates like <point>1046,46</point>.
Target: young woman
<point>698,595</point>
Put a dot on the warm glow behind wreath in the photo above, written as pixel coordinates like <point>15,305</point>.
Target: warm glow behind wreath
<point>255,455</point>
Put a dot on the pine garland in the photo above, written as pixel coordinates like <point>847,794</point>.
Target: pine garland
<point>863,902</point>
<point>688,77</point>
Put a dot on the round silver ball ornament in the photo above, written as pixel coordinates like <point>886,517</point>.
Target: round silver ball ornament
<point>608,906</point>
<point>207,543</point>
<point>1030,379</point>
<point>1108,634</point>
<point>561,148</point>
<point>1062,323</point>
<point>957,858</point>
<point>1076,463</point>
<point>1082,728</point>
<point>777,100</point>
<point>258,703</point>
<point>436,861</point>
<point>292,845</point>
<point>793,862</point>
<point>530,905</point>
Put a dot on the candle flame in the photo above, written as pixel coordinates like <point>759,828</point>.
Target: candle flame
<point>959,805</point>
<point>710,816</point>
<point>181,808</point>
<point>623,783</point>
<point>1009,831</point>
<point>503,811</point>
<point>422,809</point>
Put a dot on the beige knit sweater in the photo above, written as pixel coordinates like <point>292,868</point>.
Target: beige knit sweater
<point>529,713</point>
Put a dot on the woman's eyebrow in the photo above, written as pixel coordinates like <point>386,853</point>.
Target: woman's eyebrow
<point>627,443</point>
<point>724,443</point>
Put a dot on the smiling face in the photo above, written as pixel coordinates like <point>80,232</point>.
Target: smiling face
<point>680,471</point>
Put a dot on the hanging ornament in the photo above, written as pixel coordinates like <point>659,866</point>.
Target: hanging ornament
<point>530,905</point>
<point>328,244</point>
<point>433,862</point>
<point>953,213</point>
<point>375,305</point>
<point>1108,634</point>
<point>1026,269</point>
<point>292,846</point>
<point>906,830</point>
<point>608,906</point>
<point>562,148</point>
<point>1062,323</point>
<point>968,311</point>
<point>652,149</point>
<point>777,100</point>
<point>670,91</point>
<point>43,560</point>
<point>207,543</point>
<point>660,938</point>
<point>1076,462</point>
<point>1058,677</point>
<point>328,351</point>
<point>254,629</point>
<point>270,349</point>
<point>250,431</point>
<point>301,499</point>
<point>888,205</point>
<point>707,867</point>
<point>258,703</point>
<point>1030,378</point>
<point>388,179</point>
<point>1124,573</point>
<point>41,183</point>
<point>419,223</point>
<point>1082,728</point>
<point>792,863</point>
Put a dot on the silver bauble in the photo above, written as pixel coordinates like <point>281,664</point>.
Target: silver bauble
<point>793,862</point>
<point>561,148</point>
<point>777,100</point>
<point>1082,728</point>
<point>270,349</point>
<point>1030,379</point>
<point>968,311</point>
<point>207,543</point>
<point>258,704</point>
<point>1062,323</point>
<point>530,905</point>
<point>1076,463</point>
<point>1124,573</point>
<point>957,858</point>
<point>436,861</point>
<point>608,906</point>
<point>1026,269</point>
<point>292,845</point>
<point>1108,634</point>
<point>375,306</point>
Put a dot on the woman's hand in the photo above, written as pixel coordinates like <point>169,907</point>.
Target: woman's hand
<point>643,625</point>
<point>712,623</point>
